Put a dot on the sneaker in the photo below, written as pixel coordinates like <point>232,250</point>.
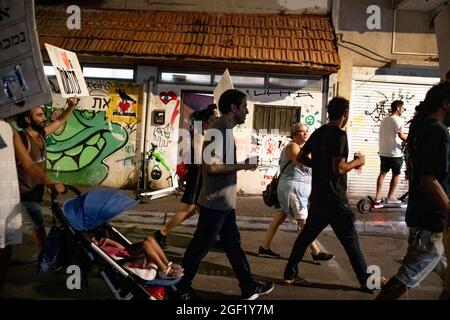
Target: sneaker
<point>322,256</point>
<point>267,253</point>
<point>393,201</point>
<point>296,280</point>
<point>261,288</point>
<point>161,239</point>
<point>378,201</point>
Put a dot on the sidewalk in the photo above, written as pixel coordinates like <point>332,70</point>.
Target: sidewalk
<point>253,214</point>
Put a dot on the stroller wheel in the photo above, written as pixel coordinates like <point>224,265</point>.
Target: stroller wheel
<point>364,206</point>
<point>143,199</point>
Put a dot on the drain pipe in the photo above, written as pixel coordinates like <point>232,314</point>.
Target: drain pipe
<point>146,120</point>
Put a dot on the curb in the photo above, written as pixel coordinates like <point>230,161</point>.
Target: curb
<point>392,228</point>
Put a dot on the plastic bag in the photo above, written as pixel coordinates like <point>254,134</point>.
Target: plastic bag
<point>51,255</point>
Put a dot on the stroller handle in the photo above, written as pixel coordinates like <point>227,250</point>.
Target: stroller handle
<point>54,194</point>
<point>73,189</point>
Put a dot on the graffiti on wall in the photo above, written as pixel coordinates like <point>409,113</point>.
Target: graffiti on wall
<point>268,148</point>
<point>100,134</point>
<point>380,109</point>
<point>311,116</point>
<point>163,136</point>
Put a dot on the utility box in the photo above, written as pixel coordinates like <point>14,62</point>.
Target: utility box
<point>159,117</point>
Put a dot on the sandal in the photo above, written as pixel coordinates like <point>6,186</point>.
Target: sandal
<point>170,273</point>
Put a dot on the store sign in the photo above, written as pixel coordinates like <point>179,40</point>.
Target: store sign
<point>23,84</point>
<point>68,72</point>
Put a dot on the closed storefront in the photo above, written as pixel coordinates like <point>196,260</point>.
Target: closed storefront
<point>372,95</point>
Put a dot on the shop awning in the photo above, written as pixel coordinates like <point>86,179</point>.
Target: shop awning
<point>285,43</point>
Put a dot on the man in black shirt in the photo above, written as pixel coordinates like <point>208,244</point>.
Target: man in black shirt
<point>428,151</point>
<point>328,148</point>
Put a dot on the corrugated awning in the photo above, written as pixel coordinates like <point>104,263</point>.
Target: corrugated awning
<point>301,42</point>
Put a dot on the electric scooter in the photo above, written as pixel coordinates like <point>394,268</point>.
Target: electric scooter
<point>367,205</point>
<point>144,195</point>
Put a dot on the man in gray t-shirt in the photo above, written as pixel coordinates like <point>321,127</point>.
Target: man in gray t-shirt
<point>218,191</point>
<point>217,201</point>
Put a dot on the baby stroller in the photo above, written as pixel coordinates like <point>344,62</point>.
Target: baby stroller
<point>77,220</point>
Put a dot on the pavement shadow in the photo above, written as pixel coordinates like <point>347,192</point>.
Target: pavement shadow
<point>318,285</point>
<point>214,295</point>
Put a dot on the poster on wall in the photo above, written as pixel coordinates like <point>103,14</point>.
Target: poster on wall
<point>68,72</point>
<point>224,84</point>
<point>22,79</point>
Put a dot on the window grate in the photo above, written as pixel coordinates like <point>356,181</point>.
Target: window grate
<point>271,117</point>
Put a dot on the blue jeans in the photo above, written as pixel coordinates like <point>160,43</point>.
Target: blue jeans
<point>425,254</point>
<point>341,218</point>
<point>34,210</point>
<point>210,224</point>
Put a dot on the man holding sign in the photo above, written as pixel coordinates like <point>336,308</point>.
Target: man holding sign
<point>33,123</point>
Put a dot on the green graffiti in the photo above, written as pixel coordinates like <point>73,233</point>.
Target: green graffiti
<point>309,120</point>
<point>76,155</point>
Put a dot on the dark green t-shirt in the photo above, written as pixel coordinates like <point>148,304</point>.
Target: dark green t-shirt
<point>431,158</point>
<point>324,144</point>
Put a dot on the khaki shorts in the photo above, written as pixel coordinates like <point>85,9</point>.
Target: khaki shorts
<point>298,206</point>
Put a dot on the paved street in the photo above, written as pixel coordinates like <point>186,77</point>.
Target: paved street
<point>330,280</point>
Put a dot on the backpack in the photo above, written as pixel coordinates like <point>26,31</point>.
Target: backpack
<point>270,196</point>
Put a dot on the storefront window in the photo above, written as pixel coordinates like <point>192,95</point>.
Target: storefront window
<point>269,117</point>
<point>98,72</point>
<point>108,73</point>
<point>284,82</point>
<point>243,81</point>
<point>194,78</point>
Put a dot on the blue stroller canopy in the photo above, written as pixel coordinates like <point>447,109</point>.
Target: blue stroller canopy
<point>95,208</point>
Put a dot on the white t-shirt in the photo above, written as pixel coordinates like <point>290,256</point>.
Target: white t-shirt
<point>10,207</point>
<point>389,142</point>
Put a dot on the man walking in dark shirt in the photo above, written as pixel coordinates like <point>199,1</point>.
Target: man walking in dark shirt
<point>428,167</point>
<point>328,148</point>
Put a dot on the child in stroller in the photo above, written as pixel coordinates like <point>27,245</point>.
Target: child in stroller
<point>145,255</point>
<point>90,241</point>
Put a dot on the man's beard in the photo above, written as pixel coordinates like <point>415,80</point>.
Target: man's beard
<point>39,127</point>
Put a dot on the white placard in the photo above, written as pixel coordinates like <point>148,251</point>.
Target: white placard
<point>224,84</point>
<point>68,72</point>
<point>23,84</point>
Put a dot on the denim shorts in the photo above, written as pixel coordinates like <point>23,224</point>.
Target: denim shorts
<point>425,254</point>
<point>34,211</point>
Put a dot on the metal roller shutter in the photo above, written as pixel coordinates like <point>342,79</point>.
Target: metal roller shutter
<point>369,104</point>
